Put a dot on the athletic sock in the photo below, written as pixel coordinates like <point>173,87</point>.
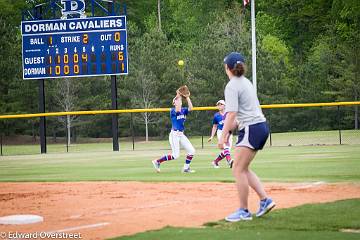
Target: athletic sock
<point>227,154</point>
<point>165,158</point>
<point>188,161</point>
<point>219,158</point>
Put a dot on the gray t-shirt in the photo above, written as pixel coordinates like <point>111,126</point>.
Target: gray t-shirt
<point>240,97</point>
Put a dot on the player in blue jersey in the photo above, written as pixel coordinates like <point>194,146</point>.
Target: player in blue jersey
<point>218,124</point>
<point>177,137</point>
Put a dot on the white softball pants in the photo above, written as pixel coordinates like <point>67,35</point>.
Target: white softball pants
<point>219,133</point>
<point>177,138</point>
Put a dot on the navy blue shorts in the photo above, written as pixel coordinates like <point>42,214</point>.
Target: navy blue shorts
<point>253,136</point>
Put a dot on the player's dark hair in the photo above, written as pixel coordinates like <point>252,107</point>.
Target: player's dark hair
<point>238,70</point>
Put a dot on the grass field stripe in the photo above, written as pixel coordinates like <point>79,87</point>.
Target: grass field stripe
<point>308,185</point>
<point>82,227</point>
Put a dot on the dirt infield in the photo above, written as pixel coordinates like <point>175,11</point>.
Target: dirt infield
<point>100,210</point>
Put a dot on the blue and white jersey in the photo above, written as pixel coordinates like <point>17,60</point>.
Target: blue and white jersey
<point>178,118</point>
<point>219,119</point>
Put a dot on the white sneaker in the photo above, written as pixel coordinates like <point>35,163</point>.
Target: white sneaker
<point>156,165</point>
<point>215,165</point>
<point>230,163</point>
<point>187,170</point>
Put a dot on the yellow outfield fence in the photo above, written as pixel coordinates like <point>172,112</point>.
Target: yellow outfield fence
<point>96,112</point>
<point>300,124</point>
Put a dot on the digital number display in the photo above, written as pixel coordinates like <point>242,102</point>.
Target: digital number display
<point>74,47</point>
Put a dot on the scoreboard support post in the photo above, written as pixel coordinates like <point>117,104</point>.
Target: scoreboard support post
<point>42,119</point>
<point>115,118</point>
<point>115,131</point>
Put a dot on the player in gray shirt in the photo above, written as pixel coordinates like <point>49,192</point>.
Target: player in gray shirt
<point>242,99</point>
<point>242,105</point>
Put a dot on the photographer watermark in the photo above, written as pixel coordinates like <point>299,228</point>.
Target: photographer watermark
<point>39,235</point>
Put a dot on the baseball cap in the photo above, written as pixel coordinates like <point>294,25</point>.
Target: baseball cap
<point>220,102</point>
<point>233,58</point>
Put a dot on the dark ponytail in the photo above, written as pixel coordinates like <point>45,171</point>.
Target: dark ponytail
<point>238,70</point>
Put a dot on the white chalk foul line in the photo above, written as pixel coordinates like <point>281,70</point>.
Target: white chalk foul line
<point>80,227</point>
<point>308,185</point>
<point>350,230</point>
<point>117,211</point>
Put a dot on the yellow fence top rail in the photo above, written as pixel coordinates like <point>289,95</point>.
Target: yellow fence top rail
<point>54,114</point>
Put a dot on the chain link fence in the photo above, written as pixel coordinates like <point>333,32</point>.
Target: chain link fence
<point>289,127</point>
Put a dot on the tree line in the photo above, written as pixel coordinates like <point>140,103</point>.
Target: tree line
<point>307,51</point>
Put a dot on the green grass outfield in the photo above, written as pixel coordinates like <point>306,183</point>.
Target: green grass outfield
<point>95,162</point>
<point>311,138</point>
<point>316,221</point>
<point>306,163</point>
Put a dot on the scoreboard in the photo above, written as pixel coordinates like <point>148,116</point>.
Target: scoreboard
<point>74,47</point>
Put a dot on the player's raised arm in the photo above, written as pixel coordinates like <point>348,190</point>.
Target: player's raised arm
<point>178,104</point>
<point>185,92</point>
<point>190,105</point>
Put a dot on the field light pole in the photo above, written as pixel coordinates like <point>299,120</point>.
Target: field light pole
<point>253,44</point>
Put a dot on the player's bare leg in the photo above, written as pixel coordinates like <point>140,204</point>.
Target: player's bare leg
<point>245,178</point>
<point>243,157</point>
<point>254,183</point>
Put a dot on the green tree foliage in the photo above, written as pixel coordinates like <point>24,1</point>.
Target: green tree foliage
<point>155,77</point>
<point>274,71</point>
<point>205,70</point>
<point>307,51</point>
<point>299,22</point>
